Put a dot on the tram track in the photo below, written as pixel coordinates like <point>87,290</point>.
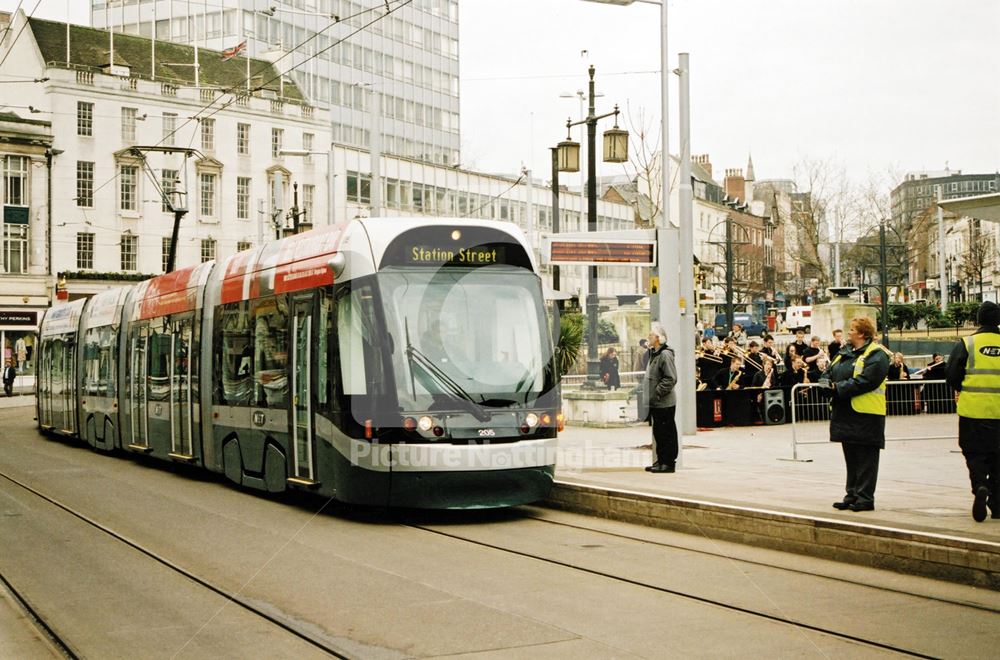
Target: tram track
<point>51,636</point>
<point>694,597</point>
<point>65,646</point>
<point>764,564</point>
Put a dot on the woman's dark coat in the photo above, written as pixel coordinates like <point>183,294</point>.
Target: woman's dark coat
<point>609,371</point>
<point>846,424</point>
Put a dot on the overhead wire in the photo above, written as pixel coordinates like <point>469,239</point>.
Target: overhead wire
<point>243,83</point>
<point>18,35</point>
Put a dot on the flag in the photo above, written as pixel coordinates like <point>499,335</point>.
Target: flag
<point>230,53</point>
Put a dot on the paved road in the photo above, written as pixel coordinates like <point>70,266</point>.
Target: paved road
<point>523,583</point>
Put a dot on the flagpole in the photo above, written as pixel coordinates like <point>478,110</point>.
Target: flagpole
<point>152,65</point>
<point>67,34</point>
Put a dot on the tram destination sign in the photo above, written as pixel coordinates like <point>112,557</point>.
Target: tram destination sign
<point>601,248</point>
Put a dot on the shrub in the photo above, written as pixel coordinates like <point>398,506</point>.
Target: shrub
<point>570,341</point>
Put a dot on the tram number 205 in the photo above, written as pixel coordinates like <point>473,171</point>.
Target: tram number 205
<point>487,433</point>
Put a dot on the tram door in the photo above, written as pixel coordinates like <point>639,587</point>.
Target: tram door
<point>302,358</point>
<point>137,389</point>
<point>180,389</point>
<point>44,371</point>
<point>62,385</point>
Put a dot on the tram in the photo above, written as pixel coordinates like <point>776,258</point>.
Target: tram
<point>389,361</point>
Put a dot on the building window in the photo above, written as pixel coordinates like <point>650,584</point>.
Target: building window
<point>359,188</point>
<point>208,134</point>
<point>277,136</point>
<point>168,184</point>
<point>169,127</point>
<point>307,146</point>
<point>128,183</point>
<point>130,243</point>
<point>207,249</point>
<point>84,183</point>
<point>243,246</point>
<point>308,194</point>
<point>243,139</point>
<point>128,125</point>
<point>165,251</point>
<point>15,181</point>
<point>207,188</point>
<point>84,118</point>
<point>15,249</point>
<point>243,197</point>
<point>84,251</point>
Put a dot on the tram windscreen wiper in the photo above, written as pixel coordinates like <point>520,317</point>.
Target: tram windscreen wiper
<point>415,357</point>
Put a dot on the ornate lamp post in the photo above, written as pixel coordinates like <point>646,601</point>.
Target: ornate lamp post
<point>568,160</point>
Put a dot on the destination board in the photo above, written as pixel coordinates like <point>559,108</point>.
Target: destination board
<point>634,253</point>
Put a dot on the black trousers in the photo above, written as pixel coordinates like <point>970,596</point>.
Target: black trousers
<point>980,443</point>
<point>664,435</point>
<point>862,471</point>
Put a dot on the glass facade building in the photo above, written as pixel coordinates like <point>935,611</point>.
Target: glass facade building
<point>343,55</point>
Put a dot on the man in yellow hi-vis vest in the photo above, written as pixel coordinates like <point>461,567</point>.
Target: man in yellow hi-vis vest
<point>974,370</point>
<point>856,382</point>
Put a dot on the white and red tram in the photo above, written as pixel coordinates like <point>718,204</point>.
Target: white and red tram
<point>399,362</point>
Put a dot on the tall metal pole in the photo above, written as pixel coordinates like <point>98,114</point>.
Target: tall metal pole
<point>729,272</point>
<point>688,296</point>
<point>882,276</point>
<point>593,365</point>
<point>555,210</point>
<point>942,283</point>
<point>375,154</point>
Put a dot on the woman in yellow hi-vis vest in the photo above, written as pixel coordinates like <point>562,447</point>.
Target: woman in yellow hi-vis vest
<point>856,382</point>
<point>974,370</point>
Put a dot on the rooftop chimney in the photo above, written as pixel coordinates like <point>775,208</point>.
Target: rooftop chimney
<point>735,184</point>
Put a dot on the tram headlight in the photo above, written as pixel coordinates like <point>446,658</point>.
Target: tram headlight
<point>531,419</point>
<point>546,419</point>
<point>425,423</point>
<point>409,424</point>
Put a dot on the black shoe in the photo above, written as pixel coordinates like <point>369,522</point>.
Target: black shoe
<point>979,504</point>
<point>861,506</point>
<point>650,468</point>
<point>662,468</point>
<point>846,504</point>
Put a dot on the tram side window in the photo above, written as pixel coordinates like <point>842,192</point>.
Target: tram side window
<point>270,324</point>
<point>97,361</point>
<point>325,328</point>
<point>235,371</point>
<point>360,357</point>
<point>159,364</point>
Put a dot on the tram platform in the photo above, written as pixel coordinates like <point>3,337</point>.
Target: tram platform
<point>740,484</point>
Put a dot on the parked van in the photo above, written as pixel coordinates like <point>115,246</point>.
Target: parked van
<point>751,326</point>
<point>799,317</point>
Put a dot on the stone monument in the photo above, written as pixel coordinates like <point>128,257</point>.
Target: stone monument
<point>838,313</point>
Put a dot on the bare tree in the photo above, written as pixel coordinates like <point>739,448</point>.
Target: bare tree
<point>977,255</point>
<point>643,166</point>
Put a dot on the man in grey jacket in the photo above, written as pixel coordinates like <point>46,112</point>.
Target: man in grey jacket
<point>658,388</point>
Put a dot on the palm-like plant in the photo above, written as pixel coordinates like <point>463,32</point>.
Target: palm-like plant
<point>570,342</point>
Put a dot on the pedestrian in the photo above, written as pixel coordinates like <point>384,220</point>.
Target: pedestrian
<point>938,397</point>
<point>856,382</point>
<point>658,386</point>
<point>609,369</point>
<point>642,356</point>
<point>738,335</point>
<point>974,370</point>
<point>9,374</point>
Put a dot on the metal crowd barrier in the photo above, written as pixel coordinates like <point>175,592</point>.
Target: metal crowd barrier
<point>903,398</point>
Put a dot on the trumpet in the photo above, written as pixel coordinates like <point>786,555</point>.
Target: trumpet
<point>708,356</point>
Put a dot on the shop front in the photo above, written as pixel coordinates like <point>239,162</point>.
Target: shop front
<point>18,335</point>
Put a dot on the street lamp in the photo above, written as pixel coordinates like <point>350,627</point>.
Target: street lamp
<point>330,176</point>
<point>615,151</point>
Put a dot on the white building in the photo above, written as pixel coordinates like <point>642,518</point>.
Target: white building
<point>127,135</point>
<point>342,54</point>
<point>226,150</point>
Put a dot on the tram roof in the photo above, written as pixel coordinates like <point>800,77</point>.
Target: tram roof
<point>296,263</point>
<point>173,293</point>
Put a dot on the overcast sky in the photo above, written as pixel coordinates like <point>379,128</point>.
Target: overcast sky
<point>872,85</point>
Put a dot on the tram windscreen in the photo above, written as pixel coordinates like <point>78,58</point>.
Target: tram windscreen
<point>480,329</point>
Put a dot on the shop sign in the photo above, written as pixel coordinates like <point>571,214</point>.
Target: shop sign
<point>18,317</point>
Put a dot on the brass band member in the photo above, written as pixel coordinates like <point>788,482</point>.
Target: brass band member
<point>729,379</point>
